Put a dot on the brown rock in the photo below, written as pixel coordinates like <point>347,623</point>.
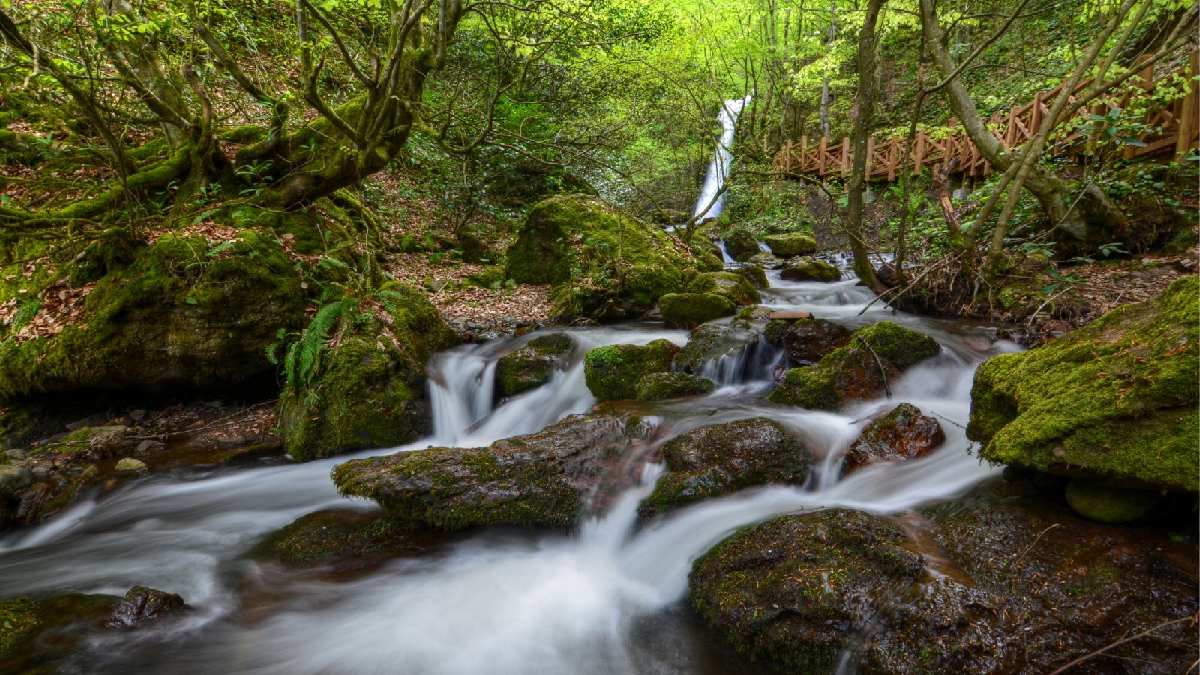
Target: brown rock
<point>903,433</point>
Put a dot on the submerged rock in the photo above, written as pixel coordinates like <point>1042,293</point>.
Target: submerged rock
<point>368,389</point>
<point>791,244</point>
<point>1019,586</point>
<point>903,433</point>
<point>343,540</point>
<point>806,340</point>
<point>543,479</point>
<point>142,604</point>
<point>809,269</point>
<point>863,368</point>
<point>604,264</point>
<point>1105,503</point>
<point>723,458</point>
<point>533,365</point>
<point>660,386</point>
<point>1116,399</point>
<point>685,310</point>
<point>612,372</point>
<point>25,620</point>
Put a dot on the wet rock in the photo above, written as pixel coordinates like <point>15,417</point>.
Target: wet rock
<point>903,433</point>
<point>603,264</point>
<point>886,274</point>
<point>612,372</point>
<point>791,244</point>
<point>24,621</point>
<point>342,540</point>
<point>149,447</point>
<point>753,274</point>
<point>806,339</point>
<point>533,365</point>
<point>53,491</point>
<point>809,269</point>
<point>1115,399</point>
<point>730,285</point>
<point>132,467</point>
<point>766,261</point>
<point>1018,585</point>
<point>741,243</point>
<point>661,386</point>
<point>143,605</point>
<point>543,479</point>
<point>14,476</point>
<point>712,341</point>
<point>367,390</point>
<point>686,310</point>
<point>861,369</point>
<point>723,458</point>
<point>1098,501</point>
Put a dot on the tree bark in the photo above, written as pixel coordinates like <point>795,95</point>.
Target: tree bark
<point>868,86</point>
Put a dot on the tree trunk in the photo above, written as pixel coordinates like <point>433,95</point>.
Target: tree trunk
<point>868,85</point>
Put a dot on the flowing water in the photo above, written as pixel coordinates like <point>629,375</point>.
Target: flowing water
<point>711,202</point>
<point>604,600</point>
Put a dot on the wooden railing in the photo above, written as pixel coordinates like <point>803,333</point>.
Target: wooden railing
<point>1177,125</point>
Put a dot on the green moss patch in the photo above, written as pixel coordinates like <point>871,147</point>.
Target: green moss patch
<point>613,372</point>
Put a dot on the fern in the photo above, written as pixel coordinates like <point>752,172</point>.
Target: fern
<point>303,359</point>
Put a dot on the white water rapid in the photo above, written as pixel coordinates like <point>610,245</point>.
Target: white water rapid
<point>606,600</point>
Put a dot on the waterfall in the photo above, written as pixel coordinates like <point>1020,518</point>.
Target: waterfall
<point>718,169</point>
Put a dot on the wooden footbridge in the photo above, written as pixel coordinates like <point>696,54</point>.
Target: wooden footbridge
<point>1175,130</point>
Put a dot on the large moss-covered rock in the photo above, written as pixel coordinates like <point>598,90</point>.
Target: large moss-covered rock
<point>723,458</point>
<point>809,269</point>
<point>612,372</point>
<point>741,243</point>
<point>1115,399</point>
<point>604,263</point>
<point>183,313</point>
<point>685,310</point>
<point>367,390</point>
<point>753,274</point>
<point>532,365</point>
<point>736,287</point>
<point>993,584</point>
<point>341,540</point>
<point>791,244</point>
<point>543,479</point>
<point>661,386</point>
<point>874,356</point>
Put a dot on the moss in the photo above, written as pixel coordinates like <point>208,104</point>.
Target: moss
<point>604,264</point>
<point>489,277</point>
<point>741,243</point>
<point>1106,504</point>
<point>612,372</point>
<point>368,392</point>
<point>1117,398</point>
<point>532,365</point>
<point>18,619</point>
<point>791,244</point>
<point>692,309</point>
<point>181,314</point>
<point>853,371</point>
<point>339,538</point>
<point>810,269</point>
<point>754,275</point>
<point>660,386</point>
<point>730,285</point>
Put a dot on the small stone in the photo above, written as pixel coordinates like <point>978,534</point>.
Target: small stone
<point>148,447</point>
<point>16,455</point>
<point>14,476</point>
<point>131,466</point>
<point>142,604</point>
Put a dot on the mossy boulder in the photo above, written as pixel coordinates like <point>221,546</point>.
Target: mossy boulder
<point>754,275</point>
<point>901,434</point>
<point>183,313</point>
<point>1098,501</point>
<point>366,390</point>
<point>806,340</point>
<point>612,372</point>
<point>809,269</point>
<point>604,264</point>
<point>861,369</point>
<point>1116,399</point>
<point>661,386</point>
<point>712,342</point>
<point>685,310</point>
<point>721,459</point>
<point>533,364</point>
<point>341,540</point>
<point>731,285</point>
<point>538,480</point>
<point>741,243</point>
<point>791,244</point>
<point>996,583</point>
